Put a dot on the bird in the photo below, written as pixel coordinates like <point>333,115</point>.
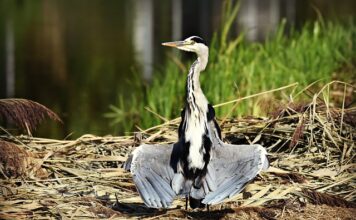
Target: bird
<point>199,165</point>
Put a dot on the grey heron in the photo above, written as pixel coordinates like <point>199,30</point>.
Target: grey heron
<point>199,164</point>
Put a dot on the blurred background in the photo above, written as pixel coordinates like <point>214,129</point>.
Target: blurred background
<point>80,57</point>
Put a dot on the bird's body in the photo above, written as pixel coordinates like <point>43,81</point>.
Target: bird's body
<point>194,125</point>
<point>199,165</point>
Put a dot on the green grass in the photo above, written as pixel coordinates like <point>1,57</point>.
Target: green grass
<point>238,68</point>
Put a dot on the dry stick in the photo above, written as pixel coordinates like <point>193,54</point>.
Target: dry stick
<point>342,109</point>
<point>225,103</point>
<point>14,137</point>
<point>312,94</point>
<point>327,102</point>
<point>343,153</point>
<point>312,114</point>
<point>228,114</point>
<point>74,214</point>
<point>255,95</point>
<point>173,121</point>
<point>328,112</point>
<point>348,153</point>
<point>330,83</point>
<point>328,132</point>
<point>349,196</point>
<point>139,128</point>
<point>156,114</point>
<point>306,88</point>
<point>335,184</point>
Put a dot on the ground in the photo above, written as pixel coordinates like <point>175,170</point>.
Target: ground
<point>311,175</point>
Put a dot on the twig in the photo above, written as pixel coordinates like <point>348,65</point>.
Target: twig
<point>255,95</point>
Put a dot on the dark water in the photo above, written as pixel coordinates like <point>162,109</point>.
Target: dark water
<point>76,56</point>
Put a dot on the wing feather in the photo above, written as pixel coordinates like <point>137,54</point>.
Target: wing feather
<point>230,169</point>
<point>142,189</point>
<point>161,184</point>
<point>152,173</point>
<point>211,179</point>
<point>158,187</point>
<point>151,192</point>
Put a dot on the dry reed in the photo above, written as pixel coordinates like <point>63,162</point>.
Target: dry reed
<point>311,152</point>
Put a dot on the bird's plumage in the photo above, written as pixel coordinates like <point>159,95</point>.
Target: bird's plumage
<point>195,130</point>
<point>152,174</point>
<point>199,165</point>
<point>154,169</point>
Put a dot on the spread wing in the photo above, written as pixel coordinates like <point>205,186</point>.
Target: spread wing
<point>152,173</point>
<point>230,169</point>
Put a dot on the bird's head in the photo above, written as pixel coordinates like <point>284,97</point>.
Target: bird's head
<point>192,44</point>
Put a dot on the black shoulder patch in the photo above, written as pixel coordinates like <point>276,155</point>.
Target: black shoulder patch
<point>198,40</point>
<point>181,127</point>
<point>211,116</point>
<point>211,113</point>
<point>176,155</point>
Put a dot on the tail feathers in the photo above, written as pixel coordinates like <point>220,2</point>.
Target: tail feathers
<point>180,185</point>
<point>196,203</point>
<point>184,187</point>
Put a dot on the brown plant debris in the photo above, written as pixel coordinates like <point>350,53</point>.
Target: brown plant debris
<point>25,114</point>
<point>17,162</point>
<point>292,177</point>
<point>297,133</point>
<point>14,160</point>
<point>281,110</point>
<point>350,118</point>
<point>85,178</point>
<point>319,198</point>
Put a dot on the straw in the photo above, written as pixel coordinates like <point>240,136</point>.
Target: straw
<point>311,149</point>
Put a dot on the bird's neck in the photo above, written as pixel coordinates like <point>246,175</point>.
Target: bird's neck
<point>193,82</point>
<point>196,116</point>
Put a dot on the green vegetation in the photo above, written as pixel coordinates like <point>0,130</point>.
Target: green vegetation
<point>237,68</point>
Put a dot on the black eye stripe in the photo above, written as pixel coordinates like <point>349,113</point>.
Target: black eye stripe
<point>198,40</point>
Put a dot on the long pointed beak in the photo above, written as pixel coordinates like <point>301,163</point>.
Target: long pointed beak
<point>174,44</point>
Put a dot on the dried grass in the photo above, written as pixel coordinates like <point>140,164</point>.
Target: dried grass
<point>17,162</point>
<point>318,198</point>
<point>85,179</point>
<point>25,114</point>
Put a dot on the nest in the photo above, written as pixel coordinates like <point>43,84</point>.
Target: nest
<point>310,147</point>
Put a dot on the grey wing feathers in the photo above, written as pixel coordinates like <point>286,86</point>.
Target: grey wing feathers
<point>152,174</point>
<point>230,169</point>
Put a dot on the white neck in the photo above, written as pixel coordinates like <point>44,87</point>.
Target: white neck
<point>203,56</point>
<point>193,82</point>
<point>196,112</point>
